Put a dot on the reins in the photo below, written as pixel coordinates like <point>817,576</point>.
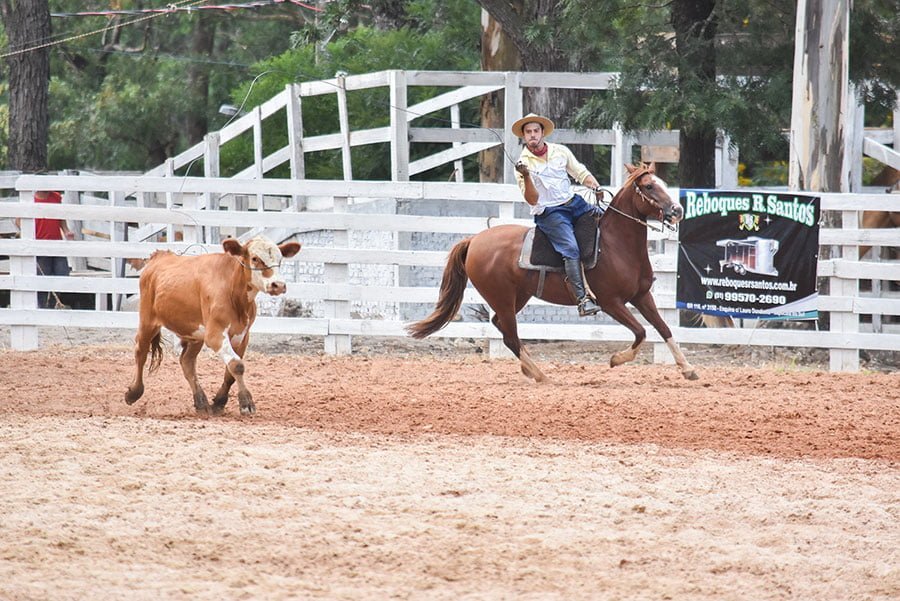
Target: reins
<point>646,199</point>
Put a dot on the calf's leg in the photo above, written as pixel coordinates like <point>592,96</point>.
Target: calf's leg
<point>221,397</point>
<point>218,340</point>
<point>189,351</point>
<point>146,337</point>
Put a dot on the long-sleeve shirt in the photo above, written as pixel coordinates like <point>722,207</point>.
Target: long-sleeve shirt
<point>550,174</point>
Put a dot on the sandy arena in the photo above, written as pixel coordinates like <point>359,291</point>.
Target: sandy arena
<point>425,471</point>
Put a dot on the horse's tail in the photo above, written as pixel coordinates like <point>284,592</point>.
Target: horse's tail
<point>156,353</point>
<point>453,286</point>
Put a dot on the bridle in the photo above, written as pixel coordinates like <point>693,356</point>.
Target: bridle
<point>646,199</point>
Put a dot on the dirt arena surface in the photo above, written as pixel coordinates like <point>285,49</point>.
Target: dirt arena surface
<point>422,470</point>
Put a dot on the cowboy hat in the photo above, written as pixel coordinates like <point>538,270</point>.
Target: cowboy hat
<point>547,124</point>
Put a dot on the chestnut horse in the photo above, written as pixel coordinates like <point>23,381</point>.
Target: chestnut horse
<point>622,274</point>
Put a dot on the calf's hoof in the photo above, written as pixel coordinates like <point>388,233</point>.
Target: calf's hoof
<point>218,405</point>
<point>248,407</point>
<point>201,405</point>
<point>133,394</point>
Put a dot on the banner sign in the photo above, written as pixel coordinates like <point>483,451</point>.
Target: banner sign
<point>748,254</point>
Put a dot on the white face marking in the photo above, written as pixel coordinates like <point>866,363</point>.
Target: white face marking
<point>268,255</point>
<point>226,353</point>
<point>664,187</point>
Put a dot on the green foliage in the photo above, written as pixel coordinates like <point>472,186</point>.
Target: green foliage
<point>361,50</point>
<point>118,98</point>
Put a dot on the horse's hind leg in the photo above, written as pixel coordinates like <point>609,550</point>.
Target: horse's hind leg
<point>505,321</point>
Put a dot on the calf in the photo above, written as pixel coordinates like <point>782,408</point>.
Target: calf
<point>207,299</point>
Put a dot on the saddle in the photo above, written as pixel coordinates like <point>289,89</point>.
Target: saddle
<point>538,253</point>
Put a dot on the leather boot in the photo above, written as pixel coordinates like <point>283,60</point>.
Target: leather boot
<point>586,305</point>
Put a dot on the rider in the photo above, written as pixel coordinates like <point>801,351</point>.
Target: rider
<point>543,172</point>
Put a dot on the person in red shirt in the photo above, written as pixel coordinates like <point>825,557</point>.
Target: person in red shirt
<point>50,229</point>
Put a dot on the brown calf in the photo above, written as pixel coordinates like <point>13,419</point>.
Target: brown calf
<point>207,299</point>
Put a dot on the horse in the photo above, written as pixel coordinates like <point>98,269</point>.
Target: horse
<point>622,273</point>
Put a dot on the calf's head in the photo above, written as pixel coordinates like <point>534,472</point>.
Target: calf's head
<point>263,258</point>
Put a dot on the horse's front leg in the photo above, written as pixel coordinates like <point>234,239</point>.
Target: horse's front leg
<point>620,313</point>
<point>647,307</point>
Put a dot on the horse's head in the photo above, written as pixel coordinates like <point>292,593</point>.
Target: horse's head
<point>652,198</point>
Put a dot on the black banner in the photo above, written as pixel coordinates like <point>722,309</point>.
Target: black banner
<point>748,254</point>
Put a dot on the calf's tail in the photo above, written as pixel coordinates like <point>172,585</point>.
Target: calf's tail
<point>453,285</point>
<point>156,353</point>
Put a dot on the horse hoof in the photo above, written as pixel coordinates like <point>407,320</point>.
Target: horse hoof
<point>690,375</point>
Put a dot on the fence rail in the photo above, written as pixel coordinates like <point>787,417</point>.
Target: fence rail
<point>175,204</point>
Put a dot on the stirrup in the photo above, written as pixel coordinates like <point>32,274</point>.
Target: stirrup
<point>587,307</point>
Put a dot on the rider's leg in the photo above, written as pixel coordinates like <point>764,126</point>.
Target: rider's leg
<point>575,276</point>
<point>556,222</point>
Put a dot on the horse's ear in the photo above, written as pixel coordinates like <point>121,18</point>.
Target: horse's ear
<point>631,168</point>
<point>651,168</point>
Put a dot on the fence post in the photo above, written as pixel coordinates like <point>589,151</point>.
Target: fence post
<point>458,174</point>
<point>666,283</point>
<point>512,112</point>
<point>118,232</point>
<point>338,273</point>
<point>344,123</point>
<point>726,162</point>
<point>23,337</point>
<point>295,140</point>
<point>212,234</point>
<point>399,135</point>
<point>619,155</point>
<point>845,322</point>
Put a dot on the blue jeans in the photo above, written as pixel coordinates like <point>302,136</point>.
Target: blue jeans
<point>559,225</point>
<point>50,266</point>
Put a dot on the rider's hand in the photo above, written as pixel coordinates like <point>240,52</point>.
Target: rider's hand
<point>522,168</point>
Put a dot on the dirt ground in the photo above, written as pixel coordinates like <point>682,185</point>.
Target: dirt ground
<point>423,470</point>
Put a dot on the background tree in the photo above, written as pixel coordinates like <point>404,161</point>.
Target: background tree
<point>27,25</point>
<point>540,41</point>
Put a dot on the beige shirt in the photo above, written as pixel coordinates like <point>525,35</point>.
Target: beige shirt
<point>550,175</point>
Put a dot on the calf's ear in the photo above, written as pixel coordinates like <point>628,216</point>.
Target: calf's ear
<point>289,249</point>
<point>232,247</point>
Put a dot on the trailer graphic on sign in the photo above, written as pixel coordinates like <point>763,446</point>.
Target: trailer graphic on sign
<point>753,255</point>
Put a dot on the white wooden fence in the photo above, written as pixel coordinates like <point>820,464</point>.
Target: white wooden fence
<point>410,124</point>
<point>173,204</point>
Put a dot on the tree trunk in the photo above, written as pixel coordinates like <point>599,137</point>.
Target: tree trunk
<point>505,46</point>
<point>695,27</point>
<point>498,53</point>
<point>27,25</point>
<point>821,96</point>
<point>202,45</point>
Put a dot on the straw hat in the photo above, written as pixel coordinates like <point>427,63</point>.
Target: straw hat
<point>532,118</point>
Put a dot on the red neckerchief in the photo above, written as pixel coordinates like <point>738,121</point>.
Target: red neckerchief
<point>540,153</point>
